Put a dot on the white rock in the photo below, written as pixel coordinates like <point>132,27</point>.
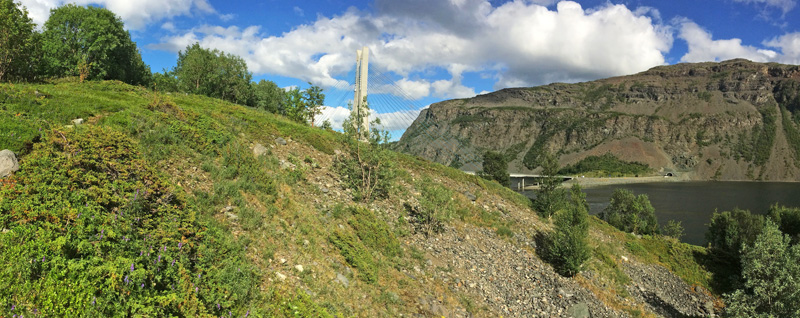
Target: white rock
<point>77,121</point>
<point>299,268</point>
<point>8,163</point>
<point>280,276</point>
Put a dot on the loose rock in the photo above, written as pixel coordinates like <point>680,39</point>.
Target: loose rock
<point>342,280</point>
<point>280,276</point>
<point>77,121</point>
<point>8,163</point>
<point>280,141</point>
<point>259,150</point>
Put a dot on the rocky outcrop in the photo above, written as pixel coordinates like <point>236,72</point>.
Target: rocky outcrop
<point>729,121</point>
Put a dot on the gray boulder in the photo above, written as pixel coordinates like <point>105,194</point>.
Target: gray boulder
<point>8,163</point>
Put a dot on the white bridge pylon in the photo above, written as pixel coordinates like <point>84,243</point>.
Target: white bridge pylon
<point>360,97</point>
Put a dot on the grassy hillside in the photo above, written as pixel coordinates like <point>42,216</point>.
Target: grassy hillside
<point>157,206</point>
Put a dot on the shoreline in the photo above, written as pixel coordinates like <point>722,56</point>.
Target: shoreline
<point>597,182</point>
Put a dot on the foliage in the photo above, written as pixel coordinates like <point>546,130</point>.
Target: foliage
<point>165,81</point>
<point>787,219</point>
<point>568,248</point>
<point>367,168</point>
<point>435,206</point>
<point>92,39</point>
<point>373,232</point>
<point>19,43</point>
<point>94,230</point>
<point>549,198</point>
<point>214,74</point>
<point>313,98</point>
<point>770,269</point>
<point>629,213</point>
<point>730,230</point>
<point>495,167</point>
<point>673,229</point>
<point>607,164</point>
<point>295,108</point>
<point>356,254</point>
<point>268,96</point>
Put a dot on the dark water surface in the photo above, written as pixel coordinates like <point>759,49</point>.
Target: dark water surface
<point>692,203</point>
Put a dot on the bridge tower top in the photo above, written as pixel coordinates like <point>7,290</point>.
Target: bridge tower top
<point>360,97</point>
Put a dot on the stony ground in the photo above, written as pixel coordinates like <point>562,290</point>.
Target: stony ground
<point>498,275</point>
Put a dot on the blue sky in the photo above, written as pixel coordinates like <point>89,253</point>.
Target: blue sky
<point>442,49</point>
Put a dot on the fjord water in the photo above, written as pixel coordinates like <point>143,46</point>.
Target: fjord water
<point>693,203</point>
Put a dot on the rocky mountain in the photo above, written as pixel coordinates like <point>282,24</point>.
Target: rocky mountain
<point>734,120</point>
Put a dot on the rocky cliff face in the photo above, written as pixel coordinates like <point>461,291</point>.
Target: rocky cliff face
<point>734,120</point>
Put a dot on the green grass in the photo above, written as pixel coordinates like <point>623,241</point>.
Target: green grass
<point>193,156</point>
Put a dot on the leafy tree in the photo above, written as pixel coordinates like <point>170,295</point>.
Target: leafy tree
<point>367,168</point>
<point>673,229</point>
<point>165,81</point>
<point>771,273</point>
<point>91,42</point>
<point>728,231</point>
<point>787,219</point>
<point>268,96</point>
<point>214,74</point>
<point>18,42</point>
<point>568,248</point>
<point>495,167</point>
<point>314,98</point>
<point>549,198</point>
<point>631,213</point>
<point>295,108</point>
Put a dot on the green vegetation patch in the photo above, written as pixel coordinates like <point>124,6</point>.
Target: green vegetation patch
<point>606,165</point>
<point>356,254</point>
<point>93,229</point>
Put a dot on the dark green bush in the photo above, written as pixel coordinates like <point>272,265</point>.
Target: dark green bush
<point>630,213</point>
<point>605,165</point>
<point>568,248</point>
<point>729,230</point>
<point>495,167</point>
<point>549,198</point>
<point>787,219</point>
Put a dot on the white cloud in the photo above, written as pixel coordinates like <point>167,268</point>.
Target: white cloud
<point>519,42</point>
<point>298,11</point>
<point>398,120</point>
<point>135,14</point>
<point>702,47</point>
<point>415,89</point>
<point>789,44</point>
<point>783,5</point>
<point>169,26</point>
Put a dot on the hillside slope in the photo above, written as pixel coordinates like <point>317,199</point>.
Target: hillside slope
<point>734,120</point>
<point>185,206</point>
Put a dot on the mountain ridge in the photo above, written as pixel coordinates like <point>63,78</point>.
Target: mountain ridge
<point>733,120</point>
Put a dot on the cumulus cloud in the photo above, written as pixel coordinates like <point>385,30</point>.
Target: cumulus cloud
<point>398,120</point>
<point>789,44</point>
<point>702,47</point>
<point>135,14</point>
<point>519,43</point>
